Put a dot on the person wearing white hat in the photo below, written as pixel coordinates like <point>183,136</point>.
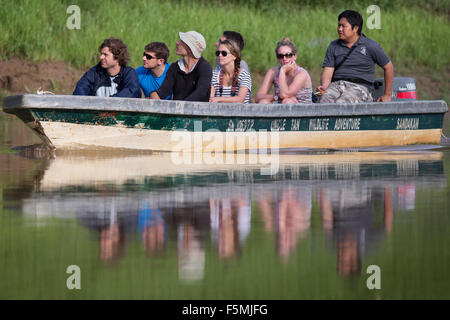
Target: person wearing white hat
<point>189,78</point>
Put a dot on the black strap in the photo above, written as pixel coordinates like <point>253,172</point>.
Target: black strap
<point>345,58</point>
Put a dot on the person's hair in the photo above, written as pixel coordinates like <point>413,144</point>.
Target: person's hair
<point>286,42</point>
<point>354,18</point>
<point>160,49</point>
<point>235,51</point>
<point>118,49</point>
<point>236,37</point>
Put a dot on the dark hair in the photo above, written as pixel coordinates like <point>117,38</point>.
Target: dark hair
<point>236,37</point>
<point>235,51</point>
<point>354,18</point>
<point>286,42</point>
<point>160,49</point>
<point>118,49</point>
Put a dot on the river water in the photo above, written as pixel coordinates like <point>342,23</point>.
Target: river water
<point>108,225</point>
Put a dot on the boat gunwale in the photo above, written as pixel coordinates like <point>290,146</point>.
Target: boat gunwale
<point>206,109</point>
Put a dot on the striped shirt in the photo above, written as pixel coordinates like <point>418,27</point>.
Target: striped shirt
<point>244,80</point>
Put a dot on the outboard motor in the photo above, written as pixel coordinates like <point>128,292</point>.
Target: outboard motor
<point>402,88</point>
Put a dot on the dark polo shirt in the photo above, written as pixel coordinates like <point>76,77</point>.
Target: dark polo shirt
<point>361,62</point>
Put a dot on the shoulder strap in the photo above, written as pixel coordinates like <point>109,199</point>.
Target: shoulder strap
<point>345,58</point>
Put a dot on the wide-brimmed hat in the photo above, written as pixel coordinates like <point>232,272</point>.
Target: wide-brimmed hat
<point>194,41</point>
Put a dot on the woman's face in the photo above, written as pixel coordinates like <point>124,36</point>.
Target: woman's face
<point>285,55</point>
<point>223,60</point>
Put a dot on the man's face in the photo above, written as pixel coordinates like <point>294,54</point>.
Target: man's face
<point>149,60</point>
<point>345,31</point>
<point>107,60</point>
<point>181,48</point>
<point>221,39</point>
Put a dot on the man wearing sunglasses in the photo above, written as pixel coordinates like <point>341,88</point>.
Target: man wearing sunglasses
<point>349,65</point>
<point>111,77</point>
<point>154,69</point>
<point>189,78</point>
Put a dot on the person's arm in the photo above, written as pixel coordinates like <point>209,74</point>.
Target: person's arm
<point>325,79</point>
<point>388,80</point>
<point>213,92</point>
<point>203,83</point>
<point>328,69</point>
<point>85,86</point>
<point>239,98</point>
<point>167,85</point>
<point>131,88</point>
<point>245,84</point>
<point>263,92</point>
<point>289,91</point>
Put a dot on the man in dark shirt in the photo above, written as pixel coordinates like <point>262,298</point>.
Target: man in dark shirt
<point>189,78</point>
<point>348,67</point>
<point>110,77</point>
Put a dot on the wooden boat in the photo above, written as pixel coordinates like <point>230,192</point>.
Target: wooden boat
<point>77,122</point>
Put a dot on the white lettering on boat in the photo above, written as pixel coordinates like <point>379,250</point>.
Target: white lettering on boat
<point>318,124</point>
<point>407,124</point>
<point>244,125</point>
<point>347,124</point>
<point>295,124</point>
<point>230,125</point>
<point>241,125</point>
<point>278,125</point>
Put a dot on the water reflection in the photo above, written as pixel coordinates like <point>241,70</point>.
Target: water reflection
<point>210,213</point>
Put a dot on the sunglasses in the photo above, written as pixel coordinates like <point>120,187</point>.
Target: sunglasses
<point>287,55</point>
<point>148,57</point>
<point>224,53</point>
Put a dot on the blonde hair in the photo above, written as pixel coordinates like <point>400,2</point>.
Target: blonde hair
<point>288,43</point>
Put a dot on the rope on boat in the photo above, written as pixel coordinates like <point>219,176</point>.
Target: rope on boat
<point>39,91</point>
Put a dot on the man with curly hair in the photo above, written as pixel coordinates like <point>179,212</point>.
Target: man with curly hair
<point>111,77</point>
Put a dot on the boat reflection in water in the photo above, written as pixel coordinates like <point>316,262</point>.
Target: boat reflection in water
<point>194,208</point>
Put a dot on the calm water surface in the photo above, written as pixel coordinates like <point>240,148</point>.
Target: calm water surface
<point>140,227</point>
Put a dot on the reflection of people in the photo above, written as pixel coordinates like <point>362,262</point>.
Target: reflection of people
<point>293,218</point>
<point>230,224</point>
<point>348,216</point>
<point>191,254</point>
<point>112,242</point>
<point>290,216</point>
<point>110,77</point>
<point>112,221</point>
<point>192,224</point>
<point>153,229</point>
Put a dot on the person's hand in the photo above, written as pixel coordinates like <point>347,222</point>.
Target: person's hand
<point>385,98</point>
<point>288,67</point>
<point>214,99</point>
<point>320,91</point>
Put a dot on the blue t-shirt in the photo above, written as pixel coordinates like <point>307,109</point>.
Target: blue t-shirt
<point>150,83</point>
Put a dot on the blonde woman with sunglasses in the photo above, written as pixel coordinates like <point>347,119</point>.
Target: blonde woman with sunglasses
<point>292,83</point>
<point>230,83</point>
